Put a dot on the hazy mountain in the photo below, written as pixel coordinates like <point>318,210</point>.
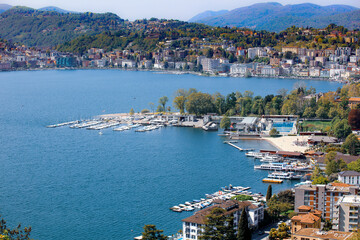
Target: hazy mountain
<point>4,7</point>
<point>207,14</point>
<point>49,28</point>
<point>274,16</point>
<point>55,9</point>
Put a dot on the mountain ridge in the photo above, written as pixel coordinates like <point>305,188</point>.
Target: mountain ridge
<point>277,17</point>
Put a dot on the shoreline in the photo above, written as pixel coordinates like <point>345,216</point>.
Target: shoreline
<point>175,72</point>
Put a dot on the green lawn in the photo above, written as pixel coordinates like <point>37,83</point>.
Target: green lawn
<point>310,126</point>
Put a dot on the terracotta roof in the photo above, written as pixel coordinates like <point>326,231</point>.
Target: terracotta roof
<point>317,234</point>
<point>305,208</point>
<point>200,216</point>
<point>354,99</point>
<point>306,218</point>
<point>334,184</point>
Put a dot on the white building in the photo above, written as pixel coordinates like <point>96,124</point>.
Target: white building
<point>354,59</point>
<point>238,69</point>
<point>349,177</point>
<point>258,51</point>
<point>210,65</point>
<point>343,51</point>
<point>314,72</point>
<point>128,63</point>
<point>346,213</point>
<point>193,225</point>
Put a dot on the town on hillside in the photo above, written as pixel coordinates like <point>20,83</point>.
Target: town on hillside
<point>331,53</point>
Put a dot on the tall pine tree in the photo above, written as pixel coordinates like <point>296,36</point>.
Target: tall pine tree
<point>269,193</point>
<point>244,232</point>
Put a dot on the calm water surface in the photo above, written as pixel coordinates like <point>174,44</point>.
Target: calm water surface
<point>75,184</point>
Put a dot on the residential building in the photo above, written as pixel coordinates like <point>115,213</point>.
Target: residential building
<point>322,197</point>
<point>210,65</point>
<point>193,225</point>
<point>253,52</point>
<point>307,218</point>
<point>239,69</point>
<point>316,234</point>
<point>349,177</point>
<point>346,213</point>
<point>128,63</point>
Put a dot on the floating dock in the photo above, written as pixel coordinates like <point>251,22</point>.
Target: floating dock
<point>223,194</point>
<point>270,180</point>
<point>237,147</point>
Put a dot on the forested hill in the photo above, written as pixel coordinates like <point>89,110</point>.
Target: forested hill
<point>49,28</point>
<point>276,17</point>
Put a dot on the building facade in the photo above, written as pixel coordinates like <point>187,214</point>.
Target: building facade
<point>193,226</point>
<point>323,197</point>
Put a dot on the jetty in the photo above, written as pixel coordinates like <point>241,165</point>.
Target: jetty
<point>231,143</point>
<point>63,124</point>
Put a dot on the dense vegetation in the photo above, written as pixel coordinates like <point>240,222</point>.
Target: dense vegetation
<point>42,28</point>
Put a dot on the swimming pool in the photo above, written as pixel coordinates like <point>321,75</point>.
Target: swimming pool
<point>283,126</point>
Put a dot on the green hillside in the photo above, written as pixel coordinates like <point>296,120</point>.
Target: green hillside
<point>42,28</point>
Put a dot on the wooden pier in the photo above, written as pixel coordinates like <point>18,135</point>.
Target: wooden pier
<point>231,143</point>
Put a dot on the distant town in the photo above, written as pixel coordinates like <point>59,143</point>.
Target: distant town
<point>207,56</point>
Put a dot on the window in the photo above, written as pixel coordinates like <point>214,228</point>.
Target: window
<point>193,224</point>
<point>193,237</point>
<point>187,235</point>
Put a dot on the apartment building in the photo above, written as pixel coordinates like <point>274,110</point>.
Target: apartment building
<point>193,225</point>
<point>346,213</point>
<point>323,197</point>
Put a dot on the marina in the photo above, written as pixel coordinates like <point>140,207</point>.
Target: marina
<point>225,193</point>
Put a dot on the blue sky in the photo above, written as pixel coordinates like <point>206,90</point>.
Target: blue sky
<point>176,9</point>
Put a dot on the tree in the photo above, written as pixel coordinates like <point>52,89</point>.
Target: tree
<point>354,119</point>
<point>199,103</point>
<point>280,233</point>
<point>332,165</point>
<point>269,193</point>
<point>162,101</point>
<point>242,198</point>
<point>341,129</point>
<point>217,225</point>
<point>273,132</point>
<point>151,233</point>
<point>17,233</point>
<point>132,112</point>
<point>327,225</point>
<point>225,122</point>
<point>320,180</point>
<point>286,196</point>
<point>354,166</point>
<point>179,103</point>
<point>145,111</point>
<point>352,144</point>
<point>243,232</point>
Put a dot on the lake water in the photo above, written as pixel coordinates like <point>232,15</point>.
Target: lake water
<point>76,184</point>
